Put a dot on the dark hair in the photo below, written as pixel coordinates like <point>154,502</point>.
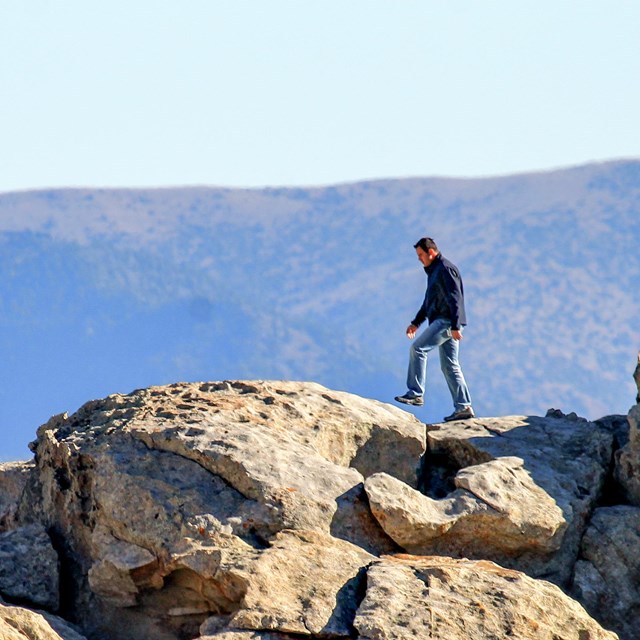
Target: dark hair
<point>425,244</point>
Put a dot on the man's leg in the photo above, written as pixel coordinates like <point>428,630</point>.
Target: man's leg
<point>433,336</point>
<point>453,374</point>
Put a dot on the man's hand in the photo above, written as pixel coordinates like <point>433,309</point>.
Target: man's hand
<point>411,331</point>
<point>456,334</point>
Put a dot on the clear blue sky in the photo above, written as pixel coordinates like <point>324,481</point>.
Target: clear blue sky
<point>291,92</point>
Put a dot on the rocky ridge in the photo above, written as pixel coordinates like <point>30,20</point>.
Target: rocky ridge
<point>235,510</point>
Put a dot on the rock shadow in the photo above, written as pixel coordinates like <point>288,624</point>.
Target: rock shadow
<point>354,522</point>
<point>348,600</point>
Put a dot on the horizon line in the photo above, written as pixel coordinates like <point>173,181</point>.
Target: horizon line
<point>327,185</point>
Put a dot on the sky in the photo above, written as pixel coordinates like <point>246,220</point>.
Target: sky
<point>251,93</point>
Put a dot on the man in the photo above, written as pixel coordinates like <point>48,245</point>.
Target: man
<point>443,307</point>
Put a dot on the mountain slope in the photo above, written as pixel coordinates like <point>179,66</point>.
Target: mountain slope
<point>110,290</point>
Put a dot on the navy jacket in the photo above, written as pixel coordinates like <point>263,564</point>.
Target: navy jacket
<point>445,295</point>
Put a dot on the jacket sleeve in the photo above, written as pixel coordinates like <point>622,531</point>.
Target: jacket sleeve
<point>421,316</point>
<point>455,297</point>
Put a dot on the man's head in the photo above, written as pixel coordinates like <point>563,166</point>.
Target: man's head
<point>427,250</point>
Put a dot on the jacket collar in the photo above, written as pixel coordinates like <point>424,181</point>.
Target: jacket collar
<point>432,267</point>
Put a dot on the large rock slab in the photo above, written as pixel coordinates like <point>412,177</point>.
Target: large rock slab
<point>515,490</point>
<point>29,571</point>
<point>145,537</point>
<point>345,429</point>
<point>447,599</point>
<point>13,479</point>
<point>293,481</point>
<point>17,623</point>
<point>305,583</point>
<point>162,500</point>
<point>607,576</point>
<point>627,468</point>
<point>496,510</point>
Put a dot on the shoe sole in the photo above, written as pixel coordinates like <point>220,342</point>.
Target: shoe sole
<point>457,419</point>
<point>411,402</point>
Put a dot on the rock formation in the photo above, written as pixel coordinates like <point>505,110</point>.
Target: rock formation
<point>13,477</point>
<point>520,491</point>
<point>607,577</point>
<point>29,567</point>
<point>240,510</point>
<point>627,470</point>
<point>18,623</point>
<point>444,598</point>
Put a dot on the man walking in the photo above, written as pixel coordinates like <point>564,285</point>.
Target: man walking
<point>443,307</point>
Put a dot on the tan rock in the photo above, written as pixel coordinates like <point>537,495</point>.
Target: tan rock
<point>147,528</point>
<point>287,476</point>
<point>250,635</point>
<point>165,496</point>
<point>345,429</point>
<point>442,598</point>
<point>17,623</point>
<point>305,583</point>
<point>496,512</point>
<point>307,437</point>
<point>13,479</point>
<point>412,519</point>
<point>114,574</point>
<point>607,577</point>
<point>544,501</point>
<point>627,468</point>
<point>239,508</point>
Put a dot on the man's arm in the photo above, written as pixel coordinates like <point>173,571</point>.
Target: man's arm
<point>455,300</point>
<point>421,316</point>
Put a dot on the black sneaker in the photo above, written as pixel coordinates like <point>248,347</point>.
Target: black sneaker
<point>461,414</point>
<point>414,400</point>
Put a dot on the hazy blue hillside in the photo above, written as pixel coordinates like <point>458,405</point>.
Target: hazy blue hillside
<point>110,290</point>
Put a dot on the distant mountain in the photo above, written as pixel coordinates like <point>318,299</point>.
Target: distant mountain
<point>109,290</point>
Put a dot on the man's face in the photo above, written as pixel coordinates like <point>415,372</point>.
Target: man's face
<point>425,257</point>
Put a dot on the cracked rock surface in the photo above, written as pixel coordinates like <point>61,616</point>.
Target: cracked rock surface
<point>13,477</point>
<point>17,623</point>
<point>447,598</point>
<point>607,575</point>
<point>29,567</point>
<point>267,510</point>
<point>627,469</point>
